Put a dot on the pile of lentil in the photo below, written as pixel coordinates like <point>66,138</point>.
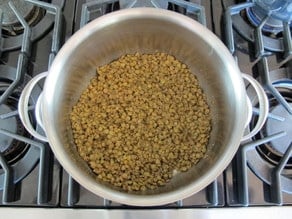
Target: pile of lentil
<point>142,118</point>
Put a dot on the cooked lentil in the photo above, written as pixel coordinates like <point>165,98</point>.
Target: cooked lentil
<point>142,118</point>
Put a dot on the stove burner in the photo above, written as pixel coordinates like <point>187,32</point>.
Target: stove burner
<point>245,23</point>
<point>268,155</point>
<point>274,151</point>
<point>11,149</point>
<point>39,15</point>
<point>272,25</point>
<point>20,156</point>
<point>10,24</point>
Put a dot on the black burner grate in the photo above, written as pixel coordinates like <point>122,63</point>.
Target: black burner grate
<point>33,178</point>
<point>234,17</point>
<point>249,166</point>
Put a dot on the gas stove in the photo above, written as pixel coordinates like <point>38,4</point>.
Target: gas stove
<point>33,31</point>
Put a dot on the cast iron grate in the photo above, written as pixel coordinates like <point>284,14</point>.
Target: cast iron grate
<point>277,177</point>
<point>38,157</point>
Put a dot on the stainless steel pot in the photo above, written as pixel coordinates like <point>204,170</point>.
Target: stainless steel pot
<point>144,30</point>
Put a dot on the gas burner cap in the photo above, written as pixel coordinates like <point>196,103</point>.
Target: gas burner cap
<point>272,25</point>
<point>10,24</point>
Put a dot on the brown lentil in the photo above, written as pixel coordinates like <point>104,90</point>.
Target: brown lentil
<point>142,119</point>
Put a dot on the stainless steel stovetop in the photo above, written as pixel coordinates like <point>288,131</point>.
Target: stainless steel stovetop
<point>260,175</point>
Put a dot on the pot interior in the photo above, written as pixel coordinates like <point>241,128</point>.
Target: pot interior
<point>110,37</point>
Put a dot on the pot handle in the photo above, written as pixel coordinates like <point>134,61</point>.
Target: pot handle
<point>23,107</point>
<point>263,107</point>
<point>24,99</point>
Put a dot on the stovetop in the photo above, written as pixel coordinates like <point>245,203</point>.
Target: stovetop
<point>33,32</point>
